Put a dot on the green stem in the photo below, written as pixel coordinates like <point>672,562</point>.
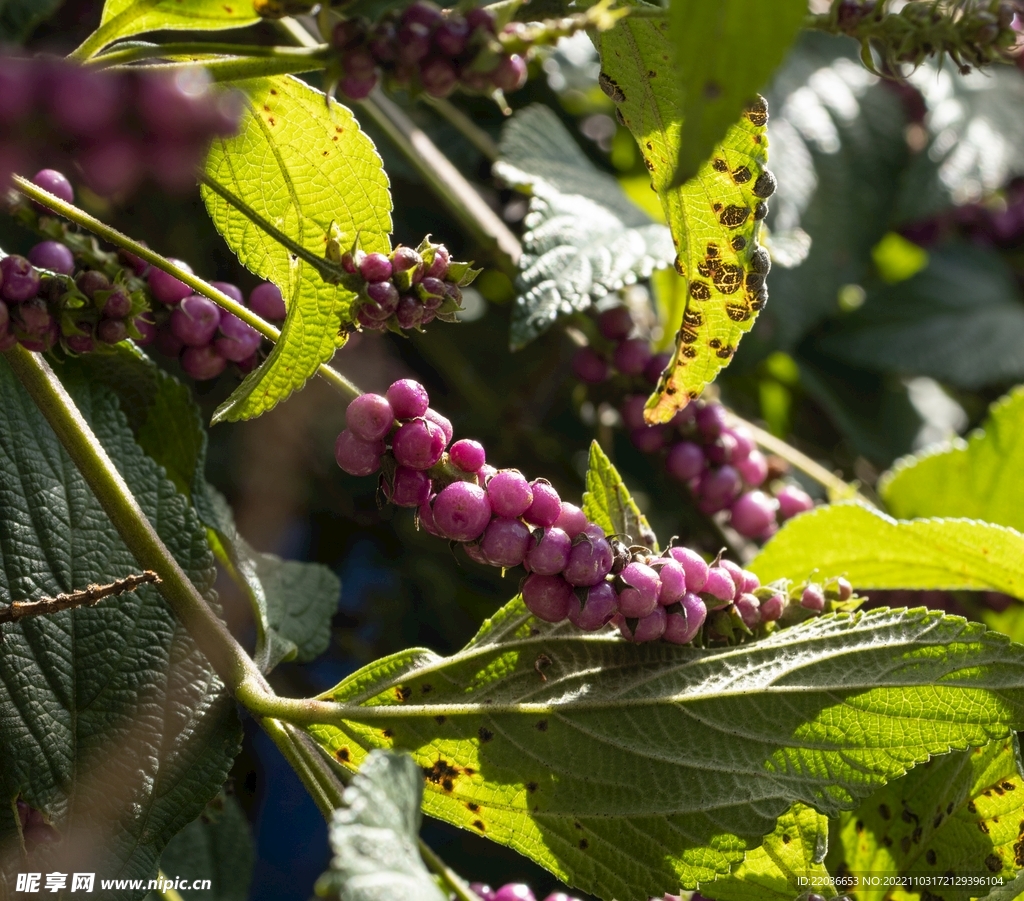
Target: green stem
<point>196,49</point>
<point>466,126</point>
<point>229,660</point>
<point>281,737</point>
<point>225,70</point>
<point>113,236</point>
<point>168,894</point>
<point>450,878</point>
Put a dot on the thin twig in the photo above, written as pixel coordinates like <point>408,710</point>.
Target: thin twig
<point>452,879</point>
<point>85,597</point>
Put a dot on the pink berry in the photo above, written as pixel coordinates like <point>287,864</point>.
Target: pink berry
<point>418,444</point>
<point>685,461</point>
<point>648,439</point>
<point>546,506</point>
<point>773,608</point>
<point>267,302</point>
<point>195,321</point>
<point>467,455</point>
<point>411,487</point>
<point>232,291</point>
<point>753,513</point>
<point>721,450</point>
<point>745,445</point>
<point>673,580</point>
<point>548,598</point>
<point>549,554</point>
<point>54,256</point>
<point>375,267</point>
<point>166,288</point>
<point>694,565</point>
<point>793,500</point>
<point>631,356</point>
<point>601,605</point>
<point>813,598</point>
<point>369,417</point>
<point>55,183</point>
<point>462,511</point>
<point>426,518</point>
<point>510,74</point>
<point>749,609</point>
<point>682,626</point>
<point>590,560</point>
<point>616,323</point>
<point>720,585</point>
<point>237,340</point>
<point>202,363</point>
<point>650,627</point>
<point>753,468</point>
<point>408,398</point>
<point>735,572</point>
<point>718,489</point>
<point>443,422</point>
<point>505,542</point>
<point>509,493</point>
<point>356,456</point>
<point>711,420</point>
<point>571,520</point>
<point>589,366</point>
<point>641,595</point>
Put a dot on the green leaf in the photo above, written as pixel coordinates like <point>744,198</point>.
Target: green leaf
<point>629,770</point>
<point>374,836</point>
<point>292,602</point>
<point>876,551</point>
<point>115,726</point>
<point>122,18</point>
<point>725,52</point>
<point>960,320</point>
<point>608,503</point>
<point>302,163</point>
<point>584,238</point>
<point>19,18</point>
<point>713,217</point>
<point>978,478</point>
<point>959,814</point>
<point>218,847</point>
<point>773,872</point>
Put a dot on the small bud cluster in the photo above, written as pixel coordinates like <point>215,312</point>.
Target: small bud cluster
<point>425,48</point>
<point>575,571</point>
<point>119,128</point>
<point>407,288</point>
<point>719,462</point>
<point>514,891</point>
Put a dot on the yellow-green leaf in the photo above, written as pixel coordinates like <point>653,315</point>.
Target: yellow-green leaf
<point>300,162</point>
<point>714,217</point>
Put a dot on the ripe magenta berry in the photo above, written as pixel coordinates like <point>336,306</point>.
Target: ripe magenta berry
<point>20,281</point>
<point>673,580</point>
<point>439,265</point>
<point>505,542</point>
<point>656,366</point>
<point>480,18</point>
<point>694,565</point>
<point>370,417</point>
<point>375,267</point>
<point>55,183</point>
<point>813,598</point>
<point>510,73</point>
<point>682,626</point>
<point>640,596</point>
<point>793,500</point>
<point>385,295</point>
<point>616,323</point>
<point>548,598</point>
<point>711,420</point>
<point>648,439</point>
<point>409,312</point>
<point>590,560</point>
<point>721,450</point>
<point>425,515</point>
<point>467,455</point>
<point>438,76</point>
<point>753,513</point>
<point>356,456</point>
<point>589,366</point>
<point>166,288</point>
<point>773,608</point>
<point>232,291</point>
<point>195,321</point>
<point>719,585</point>
<point>753,468</point>
<point>267,302</point>
<point>718,489</point>
<point>685,461</point>
<point>735,572</point>
<point>54,256</point>
<point>451,35</point>
<point>111,331</point>
<point>442,422</point>
<point>405,259</point>
<point>418,444</point>
<point>91,281</point>
<point>571,519</point>
<point>650,627</point>
<point>146,326</point>
<point>749,609</point>
<point>462,511</point>
<point>548,554</point>
<point>80,344</point>
<point>597,610</point>
<point>631,356</point>
<point>745,445</point>
<point>117,305</point>
<point>202,363</point>
<point>237,340</point>
<point>509,493</point>
<point>546,506</point>
<point>408,399</point>
<point>483,891</point>
<point>411,487</point>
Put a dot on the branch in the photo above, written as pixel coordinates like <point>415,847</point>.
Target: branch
<point>195,51</point>
<point>85,597</point>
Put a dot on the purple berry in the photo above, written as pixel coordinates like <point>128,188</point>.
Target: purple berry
<point>5,318</point>
<point>405,259</point>
<point>753,468</point>
<point>721,450</point>
<point>358,87</point>
<point>813,598</point>
<point>650,627</point>
<point>505,542</point>
<point>548,598</point>
<point>54,256</point>
<point>195,320</point>
<point>357,457</point>
<point>485,473</point>
<point>451,36</point>
<point>685,461</point>
<point>467,455</point>
<point>439,265</point>
<point>425,514</point>
<point>462,511</point>
<point>55,183</point>
<point>117,305</point>
<point>656,366</point>
<point>615,324</point>
<point>359,63</point>
<point>589,366</point>
<point>112,331</point>
<point>237,340</point>
<point>793,500</point>
<point>19,280</point>
<point>426,14</point>
<point>370,417</point>
<point>590,560</point>
<point>546,506</point>
<point>483,891</point>
<point>641,595</point>
<point>693,564</point>
<point>510,73</point>
<point>750,582</point>
<point>438,76</point>
<point>481,19</point>
<point>34,317</point>
<point>375,267</point>
<point>550,554</point>
<point>166,288</point>
<point>773,608</point>
<point>409,312</point>
<point>718,489</point>
<point>411,487</point>
<point>682,626</point>
<point>266,302</point>
<point>601,605</point>
<point>146,327</point>
<point>80,344</point>
<point>720,585</point>
<point>745,445</point>
<point>633,411</point>
<point>418,444</point>
<point>408,399</point>
<point>441,422</point>
<point>843,588</point>
<point>202,363</point>
<point>735,572</point>
<point>631,356</point>
<point>232,291</point>
<point>753,513</point>
<point>673,580</point>
<point>649,439</point>
<point>91,281</point>
<point>711,421</point>
<point>571,519</point>
<point>749,609</point>
<point>509,493</point>
<point>385,295</point>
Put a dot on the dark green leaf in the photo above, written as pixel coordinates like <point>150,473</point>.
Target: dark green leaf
<point>374,836</point>
<point>630,770</point>
<point>115,727</point>
<point>960,320</point>
<point>725,52</point>
<point>607,502</point>
<point>584,237</point>
<point>18,18</point>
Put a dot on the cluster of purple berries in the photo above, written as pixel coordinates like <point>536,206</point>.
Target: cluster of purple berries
<point>428,49</point>
<point>407,288</point>
<point>118,128</point>
<point>719,462</point>
<point>575,571</point>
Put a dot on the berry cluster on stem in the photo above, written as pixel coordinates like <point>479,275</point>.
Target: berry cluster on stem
<point>118,128</point>
<point>718,462</point>
<point>424,48</point>
<point>574,570</point>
